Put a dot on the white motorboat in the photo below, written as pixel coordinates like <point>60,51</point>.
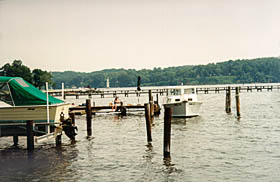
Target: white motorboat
<point>184,102</point>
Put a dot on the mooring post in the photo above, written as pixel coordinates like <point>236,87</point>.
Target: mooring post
<point>152,109</point>
<point>157,100</point>
<point>30,135</point>
<point>228,100</point>
<point>150,95</point>
<point>148,122</point>
<point>151,102</point>
<point>237,102</point>
<point>167,132</point>
<point>89,116</point>
<point>15,139</point>
<point>123,110</point>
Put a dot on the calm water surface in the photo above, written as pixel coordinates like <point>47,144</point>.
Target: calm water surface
<point>212,147</point>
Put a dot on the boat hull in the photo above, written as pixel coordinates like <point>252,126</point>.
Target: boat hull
<point>35,113</point>
<point>21,114</point>
<point>185,108</point>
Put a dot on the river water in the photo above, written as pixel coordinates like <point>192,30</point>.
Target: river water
<point>212,147</point>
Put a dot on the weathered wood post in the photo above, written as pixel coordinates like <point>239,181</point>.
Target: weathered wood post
<point>15,139</point>
<point>167,132</point>
<point>151,102</point>
<point>228,100</point>
<point>123,110</point>
<point>89,117</point>
<point>157,100</point>
<point>237,102</point>
<point>150,95</point>
<point>148,122</point>
<point>30,135</point>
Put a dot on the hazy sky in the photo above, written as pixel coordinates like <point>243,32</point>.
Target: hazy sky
<point>91,35</point>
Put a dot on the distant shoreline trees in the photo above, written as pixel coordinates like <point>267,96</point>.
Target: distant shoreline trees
<point>260,70</point>
<point>239,71</point>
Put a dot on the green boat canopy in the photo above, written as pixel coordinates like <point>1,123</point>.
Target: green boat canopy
<point>17,92</point>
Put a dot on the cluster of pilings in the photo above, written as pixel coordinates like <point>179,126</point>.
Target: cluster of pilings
<point>228,101</point>
<point>149,116</point>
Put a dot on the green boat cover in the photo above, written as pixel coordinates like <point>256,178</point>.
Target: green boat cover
<point>18,92</point>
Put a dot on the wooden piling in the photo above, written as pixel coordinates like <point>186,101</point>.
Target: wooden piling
<point>89,117</point>
<point>148,122</point>
<point>150,95</point>
<point>123,110</point>
<point>15,139</point>
<point>151,102</point>
<point>157,100</point>
<point>30,135</point>
<point>228,100</point>
<point>167,132</point>
<point>237,102</point>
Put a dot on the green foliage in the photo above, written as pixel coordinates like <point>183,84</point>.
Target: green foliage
<point>38,77</point>
<point>17,69</point>
<point>238,71</point>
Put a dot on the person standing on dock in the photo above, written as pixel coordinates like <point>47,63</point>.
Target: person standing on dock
<point>116,102</point>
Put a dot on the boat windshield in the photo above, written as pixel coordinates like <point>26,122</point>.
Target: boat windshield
<point>5,95</point>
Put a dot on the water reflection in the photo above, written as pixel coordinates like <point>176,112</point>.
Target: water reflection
<point>45,161</point>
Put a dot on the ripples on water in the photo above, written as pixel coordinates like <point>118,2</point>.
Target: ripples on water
<point>212,147</point>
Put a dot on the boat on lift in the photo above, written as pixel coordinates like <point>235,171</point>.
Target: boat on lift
<point>20,101</point>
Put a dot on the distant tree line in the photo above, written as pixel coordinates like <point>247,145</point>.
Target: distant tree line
<point>37,77</point>
<point>239,71</point>
<point>261,70</point>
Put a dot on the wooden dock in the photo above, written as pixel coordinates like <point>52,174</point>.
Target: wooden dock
<point>80,110</point>
<point>126,92</point>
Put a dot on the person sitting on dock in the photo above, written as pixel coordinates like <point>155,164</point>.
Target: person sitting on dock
<point>116,102</point>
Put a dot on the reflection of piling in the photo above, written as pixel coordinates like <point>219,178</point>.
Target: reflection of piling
<point>167,132</point>
<point>148,122</point>
<point>30,135</point>
<point>228,100</point>
<point>89,117</point>
<point>237,102</point>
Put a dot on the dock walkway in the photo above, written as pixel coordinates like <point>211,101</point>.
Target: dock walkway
<point>161,90</point>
